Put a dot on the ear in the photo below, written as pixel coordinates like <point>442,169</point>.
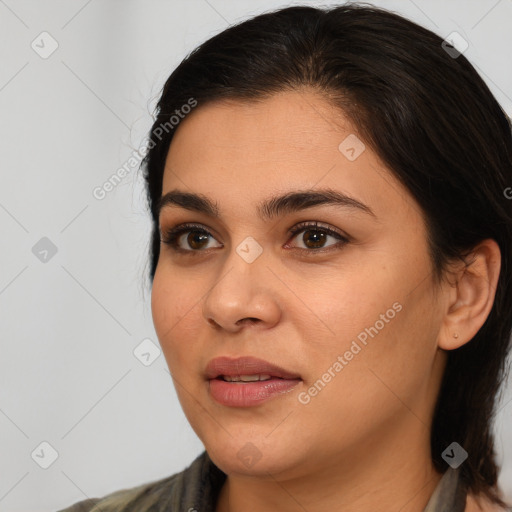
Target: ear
<point>471,296</point>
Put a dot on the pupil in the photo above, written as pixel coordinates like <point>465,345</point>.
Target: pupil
<point>320,238</point>
<point>193,238</point>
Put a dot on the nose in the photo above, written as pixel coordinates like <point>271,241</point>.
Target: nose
<point>244,294</point>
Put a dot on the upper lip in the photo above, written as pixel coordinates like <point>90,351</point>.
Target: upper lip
<point>233,367</point>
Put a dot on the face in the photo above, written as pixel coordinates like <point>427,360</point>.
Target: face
<point>339,294</point>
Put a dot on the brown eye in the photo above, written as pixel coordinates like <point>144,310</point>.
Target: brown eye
<point>315,237</point>
<point>193,239</point>
<point>196,239</point>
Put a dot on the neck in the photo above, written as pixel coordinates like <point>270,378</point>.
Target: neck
<point>381,476</point>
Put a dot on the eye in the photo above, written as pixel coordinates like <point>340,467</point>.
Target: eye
<point>197,238</point>
<point>313,240</point>
<point>315,236</point>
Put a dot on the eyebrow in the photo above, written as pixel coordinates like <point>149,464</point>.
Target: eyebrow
<point>293,201</point>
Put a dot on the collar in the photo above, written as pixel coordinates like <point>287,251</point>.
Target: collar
<point>202,480</point>
<point>449,495</point>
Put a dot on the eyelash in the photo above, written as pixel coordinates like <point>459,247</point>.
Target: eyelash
<point>170,237</point>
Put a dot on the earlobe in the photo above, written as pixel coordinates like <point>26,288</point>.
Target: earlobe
<point>471,297</point>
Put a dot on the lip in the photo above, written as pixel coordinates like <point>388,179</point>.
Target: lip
<point>247,394</point>
<point>233,367</point>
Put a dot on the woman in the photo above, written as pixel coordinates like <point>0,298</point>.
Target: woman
<point>331,271</point>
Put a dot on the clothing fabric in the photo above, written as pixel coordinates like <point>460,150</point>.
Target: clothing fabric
<point>196,489</point>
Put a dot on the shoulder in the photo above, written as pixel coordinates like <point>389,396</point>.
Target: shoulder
<point>479,504</point>
<point>196,484</point>
<point>81,506</point>
<point>141,497</point>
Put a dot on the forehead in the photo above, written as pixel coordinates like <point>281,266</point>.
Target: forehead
<point>244,152</point>
<point>285,120</point>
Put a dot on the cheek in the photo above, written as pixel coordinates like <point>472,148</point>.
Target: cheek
<point>162,305</point>
<point>348,301</point>
<point>384,375</point>
<point>378,315</point>
<point>397,350</point>
<point>176,309</point>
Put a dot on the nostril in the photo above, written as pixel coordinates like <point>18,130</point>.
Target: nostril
<point>248,320</point>
<point>212,322</point>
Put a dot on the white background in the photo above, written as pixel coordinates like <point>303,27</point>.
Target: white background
<point>68,327</point>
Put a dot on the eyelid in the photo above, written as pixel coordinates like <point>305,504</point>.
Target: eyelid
<point>313,224</point>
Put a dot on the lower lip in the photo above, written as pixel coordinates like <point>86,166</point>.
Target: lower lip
<point>249,394</point>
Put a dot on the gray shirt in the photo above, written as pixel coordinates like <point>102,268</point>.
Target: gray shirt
<point>196,489</point>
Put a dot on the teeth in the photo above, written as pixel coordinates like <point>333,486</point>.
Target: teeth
<point>246,378</point>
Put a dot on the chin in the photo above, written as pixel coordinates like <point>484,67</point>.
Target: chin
<point>253,456</point>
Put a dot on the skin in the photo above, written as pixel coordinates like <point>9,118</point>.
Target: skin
<point>363,442</point>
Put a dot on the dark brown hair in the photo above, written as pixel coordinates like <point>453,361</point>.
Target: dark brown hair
<point>430,118</point>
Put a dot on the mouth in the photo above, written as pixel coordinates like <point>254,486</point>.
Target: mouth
<point>246,378</point>
<point>247,381</point>
<point>246,369</point>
